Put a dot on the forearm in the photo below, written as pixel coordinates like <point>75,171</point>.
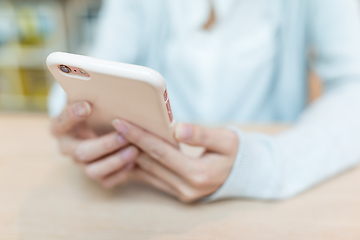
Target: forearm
<point>321,144</point>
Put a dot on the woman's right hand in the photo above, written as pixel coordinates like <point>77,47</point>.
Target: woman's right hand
<point>108,159</point>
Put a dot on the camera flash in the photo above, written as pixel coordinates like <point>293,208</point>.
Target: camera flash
<point>82,72</point>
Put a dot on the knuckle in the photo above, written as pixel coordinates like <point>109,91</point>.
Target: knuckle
<point>202,135</point>
<point>152,168</point>
<point>91,172</point>
<point>188,196</point>
<point>137,136</point>
<point>158,152</point>
<point>111,183</point>
<point>57,125</point>
<point>137,152</point>
<point>107,143</point>
<point>146,164</point>
<point>122,180</point>
<point>233,142</point>
<point>60,123</point>
<point>63,119</point>
<point>201,176</point>
<point>115,163</point>
<point>80,153</point>
<point>199,180</point>
<point>107,184</point>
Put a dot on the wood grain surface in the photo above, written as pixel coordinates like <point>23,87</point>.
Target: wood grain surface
<point>45,196</point>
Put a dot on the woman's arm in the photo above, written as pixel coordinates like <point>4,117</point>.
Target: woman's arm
<point>326,139</point>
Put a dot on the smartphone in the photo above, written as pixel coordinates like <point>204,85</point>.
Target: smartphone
<point>115,90</point>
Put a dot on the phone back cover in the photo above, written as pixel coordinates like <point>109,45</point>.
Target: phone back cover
<point>116,90</point>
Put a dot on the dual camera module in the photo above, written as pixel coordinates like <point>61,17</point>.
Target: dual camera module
<point>73,70</point>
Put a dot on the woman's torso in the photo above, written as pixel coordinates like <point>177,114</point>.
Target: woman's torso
<point>249,66</point>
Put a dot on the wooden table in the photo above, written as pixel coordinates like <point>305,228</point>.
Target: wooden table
<point>44,196</point>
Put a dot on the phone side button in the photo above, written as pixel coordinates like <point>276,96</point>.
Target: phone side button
<point>168,108</point>
<point>165,95</point>
<point>171,116</point>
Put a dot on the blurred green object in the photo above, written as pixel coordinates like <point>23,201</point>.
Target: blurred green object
<point>35,88</point>
<point>28,27</point>
<point>29,31</point>
<point>23,80</point>
<point>11,91</point>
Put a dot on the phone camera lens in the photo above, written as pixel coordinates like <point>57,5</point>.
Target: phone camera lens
<point>65,69</point>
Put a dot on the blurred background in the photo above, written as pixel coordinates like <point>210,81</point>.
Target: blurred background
<point>29,31</point>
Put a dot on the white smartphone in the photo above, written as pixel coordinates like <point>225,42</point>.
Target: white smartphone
<point>115,90</point>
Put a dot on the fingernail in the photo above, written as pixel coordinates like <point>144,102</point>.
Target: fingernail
<point>120,126</point>
<point>128,154</point>
<point>82,109</point>
<point>183,132</point>
<point>121,139</point>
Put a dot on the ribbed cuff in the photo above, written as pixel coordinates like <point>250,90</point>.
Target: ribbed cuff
<point>254,173</point>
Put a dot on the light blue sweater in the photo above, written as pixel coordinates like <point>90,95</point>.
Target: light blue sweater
<point>251,66</point>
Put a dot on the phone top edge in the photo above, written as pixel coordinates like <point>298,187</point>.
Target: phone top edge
<point>119,69</point>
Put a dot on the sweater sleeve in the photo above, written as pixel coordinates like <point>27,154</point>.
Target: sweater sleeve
<point>326,138</point>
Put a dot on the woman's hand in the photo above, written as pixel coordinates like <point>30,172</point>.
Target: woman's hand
<point>108,159</point>
<point>168,169</point>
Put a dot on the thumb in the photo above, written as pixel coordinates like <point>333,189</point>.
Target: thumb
<point>72,115</point>
<point>219,140</point>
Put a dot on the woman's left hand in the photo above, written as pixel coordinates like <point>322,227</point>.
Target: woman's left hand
<point>165,167</point>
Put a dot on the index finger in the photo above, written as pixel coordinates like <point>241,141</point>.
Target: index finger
<point>158,149</point>
<point>70,116</point>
